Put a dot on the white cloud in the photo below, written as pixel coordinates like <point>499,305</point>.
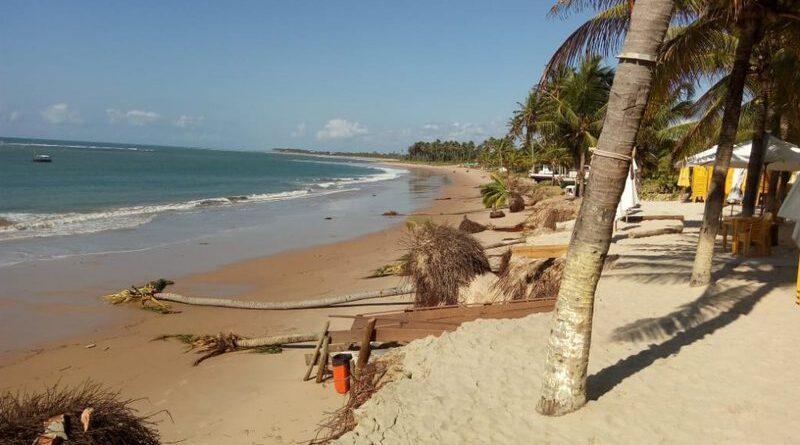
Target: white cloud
<point>299,130</point>
<point>462,131</point>
<point>341,129</point>
<point>133,117</point>
<point>61,114</point>
<point>185,121</point>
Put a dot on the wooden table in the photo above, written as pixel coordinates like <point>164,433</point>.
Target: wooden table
<point>733,225</point>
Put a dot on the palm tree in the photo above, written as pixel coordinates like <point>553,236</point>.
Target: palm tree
<point>523,122</point>
<point>575,105</point>
<point>750,24</point>
<point>495,193</point>
<point>564,380</point>
<point>696,46</point>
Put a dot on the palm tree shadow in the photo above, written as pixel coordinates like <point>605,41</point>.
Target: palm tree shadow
<point>714,309</point>
<point>739,301</point>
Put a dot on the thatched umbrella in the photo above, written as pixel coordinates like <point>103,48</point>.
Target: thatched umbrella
<point>440,260</point>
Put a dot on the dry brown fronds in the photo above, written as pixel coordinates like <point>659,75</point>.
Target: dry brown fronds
<point>440,260</point>
<point>113,421</point>
<point>208,345</point>
<point>144,295</point>
<point>469,226</point>
<point>525,278</point>
<point>387,270</point>
<point>373,377</point>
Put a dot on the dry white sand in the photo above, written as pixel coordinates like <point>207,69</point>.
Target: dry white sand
<point>669,363</point>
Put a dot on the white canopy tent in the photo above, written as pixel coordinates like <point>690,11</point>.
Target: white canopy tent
<point>780,155</point>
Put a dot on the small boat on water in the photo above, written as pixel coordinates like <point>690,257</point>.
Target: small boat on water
<point>42,158</point>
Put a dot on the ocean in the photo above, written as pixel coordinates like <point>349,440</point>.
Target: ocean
<point>109,197</point>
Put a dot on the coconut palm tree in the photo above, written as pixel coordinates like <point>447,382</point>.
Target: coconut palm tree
<point>564,380</point>
<point>694,49</point>
<point>496,193</point>
<point>575,105</point>
<point>523,122</point>
<point>752,19</point>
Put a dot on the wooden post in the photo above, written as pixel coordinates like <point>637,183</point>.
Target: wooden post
<point>323,359</point>
<point>322,336</point>
<point>363,351</point>
<point>798,282</point>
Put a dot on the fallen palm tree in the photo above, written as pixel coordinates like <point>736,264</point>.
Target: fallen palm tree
<point>644,233</point>
<point>440,260</point>
<point>214,345</point>
<point>149,299</point>
<point>86,414</point>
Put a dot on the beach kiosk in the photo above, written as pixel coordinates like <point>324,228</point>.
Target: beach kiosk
<point>779,156</point>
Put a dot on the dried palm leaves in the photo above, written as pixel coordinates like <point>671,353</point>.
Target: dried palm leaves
<point>440,260</point>
<point>87,414</point>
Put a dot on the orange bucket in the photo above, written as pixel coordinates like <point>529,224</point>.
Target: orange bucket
<point>341,373</point>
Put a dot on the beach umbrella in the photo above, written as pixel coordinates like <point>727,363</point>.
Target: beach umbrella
<point>779,156</point>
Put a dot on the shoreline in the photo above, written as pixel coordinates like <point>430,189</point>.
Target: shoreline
<point>125,359</point>
<point>63,293</point>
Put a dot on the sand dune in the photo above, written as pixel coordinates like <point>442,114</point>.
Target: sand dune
<point>669,364</point>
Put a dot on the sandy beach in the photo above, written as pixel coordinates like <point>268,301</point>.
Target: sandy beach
<point>242,397</point>
<point>684,362</point>
<point>669,364</point>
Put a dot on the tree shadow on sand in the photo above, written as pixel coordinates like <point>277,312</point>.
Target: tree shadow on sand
<point>719,306</point>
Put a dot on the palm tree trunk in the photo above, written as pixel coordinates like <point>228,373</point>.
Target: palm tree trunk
<point>759,145</point>
<point>581,178</point>
<point>749,35</point>
<point>564,380</point>
<point>283,305</point>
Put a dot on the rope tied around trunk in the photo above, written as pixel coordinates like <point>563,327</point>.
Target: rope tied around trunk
<point>611,154</point>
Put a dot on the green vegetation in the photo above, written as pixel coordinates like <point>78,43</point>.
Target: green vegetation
<point>495,193</point>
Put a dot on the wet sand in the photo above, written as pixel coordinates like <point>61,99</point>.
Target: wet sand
<point>242,397</point>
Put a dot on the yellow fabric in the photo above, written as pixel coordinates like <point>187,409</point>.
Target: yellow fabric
<point>683,177</point>
<point>701,178</point>
<point>729,181</point>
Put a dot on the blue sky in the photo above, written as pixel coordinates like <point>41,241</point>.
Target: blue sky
<point>370,75</point>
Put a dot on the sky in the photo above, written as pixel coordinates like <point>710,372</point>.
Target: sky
<point>255,75</point>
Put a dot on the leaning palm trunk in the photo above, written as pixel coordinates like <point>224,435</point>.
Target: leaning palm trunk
<point>756,163</point>
<point>564,380</point>
<point>284,305</point>
<point>751,31</point>
<point>581,178</point>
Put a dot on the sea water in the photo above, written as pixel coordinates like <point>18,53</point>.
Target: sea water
<point>103,197</point>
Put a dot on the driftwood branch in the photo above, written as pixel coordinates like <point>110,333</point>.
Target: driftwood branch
<point>640,218</point>
<point>504,244</point>
<point>284,305</point>
<point>642,233</point>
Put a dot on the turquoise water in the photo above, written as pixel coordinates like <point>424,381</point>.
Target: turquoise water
<point>91,187</point>
<point>123,199</point>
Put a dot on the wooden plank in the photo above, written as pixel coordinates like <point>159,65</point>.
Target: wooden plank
<point>322,336</point>
<point>455,314</point>
<point>363,350</point>
<point>323,360</point>
<point>544,251</point>
<point>385,334</point>
<point>420,324</point>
